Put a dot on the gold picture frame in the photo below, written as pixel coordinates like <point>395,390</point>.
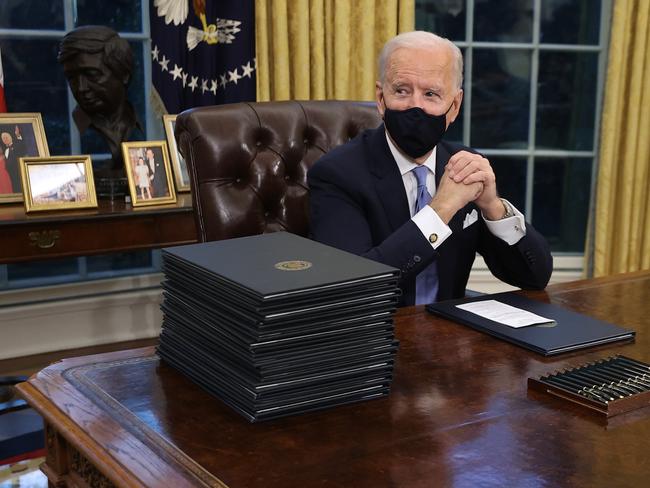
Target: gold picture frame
<point>181,175</point>
<point>21,135</point>
<point>58,183</point>
<point>148,172</point>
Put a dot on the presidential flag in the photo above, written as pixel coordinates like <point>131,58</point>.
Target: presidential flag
<point>3,102</point>
<point>203,52</point>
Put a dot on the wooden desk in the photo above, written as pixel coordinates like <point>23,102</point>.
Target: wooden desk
<point>112,227</point>
<point>459,415</point>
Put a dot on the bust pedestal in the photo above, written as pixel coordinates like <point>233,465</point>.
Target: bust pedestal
<point>110,180</point>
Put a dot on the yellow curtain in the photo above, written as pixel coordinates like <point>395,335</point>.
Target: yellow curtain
<point>324,49</point>
<point>621,233</point>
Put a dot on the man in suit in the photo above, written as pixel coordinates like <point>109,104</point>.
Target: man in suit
<point>158,177</point>
<point>13,149</point>
<point>367,196</point>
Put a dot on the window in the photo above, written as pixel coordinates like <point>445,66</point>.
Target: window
<point>30,33</point>
<point>534,76</point>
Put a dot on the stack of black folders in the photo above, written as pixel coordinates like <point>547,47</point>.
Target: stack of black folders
<point>277,324</point>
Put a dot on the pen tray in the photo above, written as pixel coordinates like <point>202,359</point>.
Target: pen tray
<point>611,386</point>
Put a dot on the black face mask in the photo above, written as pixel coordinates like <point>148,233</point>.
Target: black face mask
<point>415,131</point>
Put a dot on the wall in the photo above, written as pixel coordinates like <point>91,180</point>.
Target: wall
<point>78,315</point>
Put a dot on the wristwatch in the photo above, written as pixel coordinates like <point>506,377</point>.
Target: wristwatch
<point>509,211</point>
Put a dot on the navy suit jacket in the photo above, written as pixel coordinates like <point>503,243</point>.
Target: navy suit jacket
<point>358,204</point>
<point>16,151</point>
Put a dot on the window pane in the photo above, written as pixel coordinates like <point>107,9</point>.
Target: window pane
<point>500,98</point>
<point>91,141</point>
<point>511,179</point>
<point>120,15</point>
<point>566,100</point>
<point>42,270</point>
<point>137,87</point>
<point>31,14</point>
<point>561,201</point>
<point>455,131</point>
<point>443,17</point>
<point>496,20</point>
<point>119,262</point>
<point>570,21</point>
<point>41,90</point>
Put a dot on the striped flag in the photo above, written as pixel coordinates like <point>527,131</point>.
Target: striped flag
<point>3,102</point>
<point>203,52</point>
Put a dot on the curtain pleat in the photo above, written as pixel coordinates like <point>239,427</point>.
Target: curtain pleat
<point>324,49</point>
<point>621,237</point>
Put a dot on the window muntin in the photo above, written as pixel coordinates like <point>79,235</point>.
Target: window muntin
<point>534,77</point>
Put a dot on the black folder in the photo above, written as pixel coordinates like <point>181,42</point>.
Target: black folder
<point>278,267</point>
<point>570,331</point>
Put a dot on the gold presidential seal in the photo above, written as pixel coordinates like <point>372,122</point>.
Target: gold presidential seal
<point>296,265</point>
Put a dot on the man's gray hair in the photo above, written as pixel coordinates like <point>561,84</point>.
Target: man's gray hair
<point>420,39</point>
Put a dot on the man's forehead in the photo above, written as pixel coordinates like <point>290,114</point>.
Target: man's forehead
<point>425,60</point>
<point>433,64</point>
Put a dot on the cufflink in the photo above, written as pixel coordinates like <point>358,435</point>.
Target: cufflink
<point>433,238</point>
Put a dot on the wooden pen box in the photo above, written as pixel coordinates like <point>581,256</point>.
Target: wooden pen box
<point>610,386</point>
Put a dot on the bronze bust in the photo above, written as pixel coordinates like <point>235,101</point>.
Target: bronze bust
<point>98,64</point>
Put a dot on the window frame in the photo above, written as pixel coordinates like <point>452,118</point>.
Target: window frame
<point>567,259</point>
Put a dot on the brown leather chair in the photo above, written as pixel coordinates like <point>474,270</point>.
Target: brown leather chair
<point>248,162</point>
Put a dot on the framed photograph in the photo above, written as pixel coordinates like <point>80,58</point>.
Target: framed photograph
<point>21,135</point>
<point>149,173</point>
<point>58,183</point>
<point>181,176</point>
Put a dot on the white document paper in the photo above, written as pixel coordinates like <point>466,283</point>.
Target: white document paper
<point>504,314</point>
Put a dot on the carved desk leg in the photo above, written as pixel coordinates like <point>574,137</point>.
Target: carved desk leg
<point>65,467</point>
<point>55,466</point>
<point>84,474</point>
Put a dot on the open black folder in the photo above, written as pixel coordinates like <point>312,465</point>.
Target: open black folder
<point>570,331</point>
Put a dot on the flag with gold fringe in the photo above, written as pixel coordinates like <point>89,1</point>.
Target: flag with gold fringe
<point>203,52</point>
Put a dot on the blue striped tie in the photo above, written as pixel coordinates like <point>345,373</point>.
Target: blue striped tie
<point>426,282</point>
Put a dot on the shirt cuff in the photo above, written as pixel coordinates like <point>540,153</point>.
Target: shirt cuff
<point>510,229</point>
<point>431,225</point>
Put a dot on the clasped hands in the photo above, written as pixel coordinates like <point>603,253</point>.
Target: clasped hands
<point>468,177</point>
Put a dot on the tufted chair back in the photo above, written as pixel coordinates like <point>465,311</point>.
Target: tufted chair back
<point>248,162</point>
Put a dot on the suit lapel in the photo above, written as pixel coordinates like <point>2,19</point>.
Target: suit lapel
<point>388,180</point>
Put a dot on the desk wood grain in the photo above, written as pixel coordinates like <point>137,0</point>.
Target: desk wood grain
<point>112,227</point>
<point>459,415</point>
